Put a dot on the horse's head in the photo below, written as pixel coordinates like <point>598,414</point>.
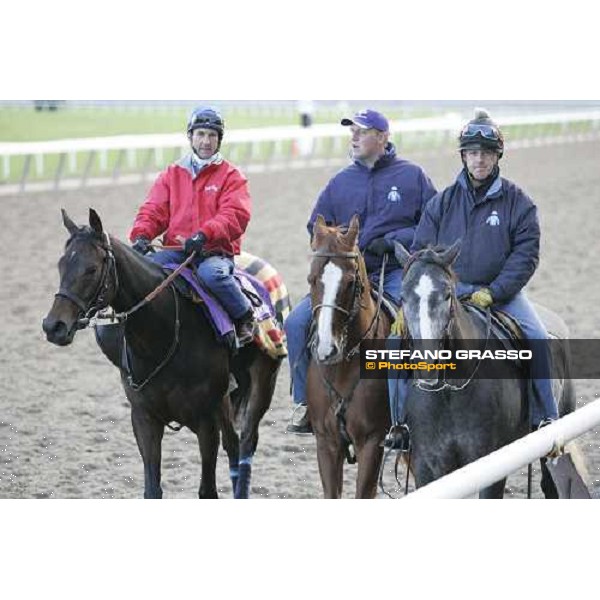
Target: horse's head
<point>428,292</point>
<point>87,280</point>
<point>337,279</point>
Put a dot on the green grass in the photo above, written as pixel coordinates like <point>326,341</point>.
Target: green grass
<point>24,124</point>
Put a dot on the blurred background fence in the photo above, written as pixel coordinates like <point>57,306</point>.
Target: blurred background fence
<point>64,144</point>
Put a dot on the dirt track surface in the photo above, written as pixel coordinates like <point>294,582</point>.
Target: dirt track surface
<point>64,420</point>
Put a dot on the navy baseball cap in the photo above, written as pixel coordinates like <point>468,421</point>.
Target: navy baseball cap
<point>368,119</point>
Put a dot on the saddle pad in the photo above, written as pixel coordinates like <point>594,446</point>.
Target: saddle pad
<point>270,335</point>
<point>271,281</point>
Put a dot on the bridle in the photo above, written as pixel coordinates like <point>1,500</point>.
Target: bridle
<point>346,255</point>
<point>100,299</point>
<point>339,401</point>
<point>356,295</point>
<point>442,385</point>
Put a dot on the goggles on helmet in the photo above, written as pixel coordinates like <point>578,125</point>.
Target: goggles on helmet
<point>489,132</point>
<point>200,121</point>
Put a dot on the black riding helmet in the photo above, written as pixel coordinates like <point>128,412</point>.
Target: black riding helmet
<point>481,133</point>
<point>205,117</point>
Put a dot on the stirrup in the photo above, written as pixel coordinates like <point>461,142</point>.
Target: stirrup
<point>247,336</point>
<point>398,438</point>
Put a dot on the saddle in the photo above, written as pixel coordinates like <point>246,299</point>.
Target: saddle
<point>503,325</point>
<point>265,289</point>
<point>388,304</point>
<point>267,294</point>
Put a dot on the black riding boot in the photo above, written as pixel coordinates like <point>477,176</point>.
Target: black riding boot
<point>244,328</point>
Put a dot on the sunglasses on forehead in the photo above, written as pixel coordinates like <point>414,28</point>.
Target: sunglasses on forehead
<point>489,132</point>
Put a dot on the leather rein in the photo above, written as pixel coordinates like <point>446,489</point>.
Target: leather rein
<point>100,301</point>
<point>443,384</point>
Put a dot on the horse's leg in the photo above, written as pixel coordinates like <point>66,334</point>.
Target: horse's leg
<point>422,470</point>
<point>330,458</point>
<point>263,376</point>
<point>148,435</point>
<point>231,441</point>
<point>494,491</point>
<point>208,439</point>
<point>368,456</point>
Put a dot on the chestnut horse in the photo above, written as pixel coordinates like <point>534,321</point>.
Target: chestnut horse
<point>347,412</point>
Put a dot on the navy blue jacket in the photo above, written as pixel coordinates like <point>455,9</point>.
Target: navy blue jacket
<point>389,200</point>
<point>500,234</point>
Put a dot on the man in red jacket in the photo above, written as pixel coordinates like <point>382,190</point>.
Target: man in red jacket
<point>201,203</point>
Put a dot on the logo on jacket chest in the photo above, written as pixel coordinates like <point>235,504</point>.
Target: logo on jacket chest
<point>211,188</point>
<point>493,220</point>
<point>394,194</point>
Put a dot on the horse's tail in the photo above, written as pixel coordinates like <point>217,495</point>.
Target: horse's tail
<point>568,404</point>
<point>241,394</point>
<point>578,459</point>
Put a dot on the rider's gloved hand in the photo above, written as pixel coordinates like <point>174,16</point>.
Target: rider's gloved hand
<point>195,243</point>
<point>141,245</point>
<point>380,246</point>
<point>482,298</point>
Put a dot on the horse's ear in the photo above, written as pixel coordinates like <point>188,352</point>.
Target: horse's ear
<point>353,229</point>
<point>318,228</point>
<point>71,227</point>
<point>320,224</point>
<point>451,254</point>
<point>95,222</point>
<point>402,254</point>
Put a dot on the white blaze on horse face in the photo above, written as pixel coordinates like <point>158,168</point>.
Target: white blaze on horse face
<point>331,278</point>
<point>423,290</point>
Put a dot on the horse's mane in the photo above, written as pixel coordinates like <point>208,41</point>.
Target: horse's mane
<point>86,233</point>
<point>431,255</point>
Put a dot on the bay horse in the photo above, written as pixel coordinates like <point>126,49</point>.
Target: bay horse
<point>345,411</point>
<point>175,369</point>
<point>454,422</point>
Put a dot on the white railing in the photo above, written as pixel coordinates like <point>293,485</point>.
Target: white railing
<point>501,463</point>
<point>111,156</point>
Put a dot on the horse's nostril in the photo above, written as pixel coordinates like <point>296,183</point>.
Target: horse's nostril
<point>54,329</point>
<point>49,325</point>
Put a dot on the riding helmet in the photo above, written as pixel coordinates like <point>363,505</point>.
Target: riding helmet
<point>481,132</point>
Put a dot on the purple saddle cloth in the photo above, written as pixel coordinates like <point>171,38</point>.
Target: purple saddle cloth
<point>220,319</point>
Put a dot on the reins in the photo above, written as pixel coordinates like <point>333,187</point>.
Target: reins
<point>100,301</point>
<point>444,385</point>
<point>339,402</point>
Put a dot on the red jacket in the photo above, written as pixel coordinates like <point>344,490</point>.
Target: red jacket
<point>216,202</point>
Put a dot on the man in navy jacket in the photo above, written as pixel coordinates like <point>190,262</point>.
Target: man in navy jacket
<point>500,233</point>
<point>388,194</point>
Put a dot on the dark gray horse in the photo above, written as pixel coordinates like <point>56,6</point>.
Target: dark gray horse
<point>454,422</point>
<point>176,369</point>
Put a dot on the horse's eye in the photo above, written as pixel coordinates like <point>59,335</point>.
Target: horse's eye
<point>90,271</point>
